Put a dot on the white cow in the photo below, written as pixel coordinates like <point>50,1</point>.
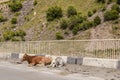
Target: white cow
<point>57,61</point>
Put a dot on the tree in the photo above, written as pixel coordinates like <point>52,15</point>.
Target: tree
<point>54,13</point>
<point>71,11</point>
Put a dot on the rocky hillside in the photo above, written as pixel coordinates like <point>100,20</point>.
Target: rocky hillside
<point>28,20</point>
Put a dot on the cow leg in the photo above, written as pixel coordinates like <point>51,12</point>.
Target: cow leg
<point>31,64</point>
<point>41,62</point>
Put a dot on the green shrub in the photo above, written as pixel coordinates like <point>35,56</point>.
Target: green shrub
<point>71,11</point>
<point>66,33</point>
<point>16,39</point>
<point>97,20</point>
<point>94,10</point>
<point>2,19</point>
<point>13,26</point>
<point>35,2</point>
<point>17,13</point>
<point>103,1</point>
<point>75,29</point>
<point>116,22</point>
<point>118,1</point>
<point>109,1</point>
<point>103,8</point>
<point>74,20</point>
<point>90,13</point>
<point>8,34</point>
<point>86,25</point>
<point>59,36</point>
<point>14,35</point>
<point>63,24</point>
<point>14,20</point>
<point>111,15</point>
<point>116,7</point>
<point>54,13</point>
<point>80,18</point>
<point>20,33</point>
<point>15,6</point>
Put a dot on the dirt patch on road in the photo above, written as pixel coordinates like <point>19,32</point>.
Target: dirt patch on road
<point>107,74</point>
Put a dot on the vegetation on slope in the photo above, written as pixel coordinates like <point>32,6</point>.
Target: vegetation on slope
<point>56,19</point>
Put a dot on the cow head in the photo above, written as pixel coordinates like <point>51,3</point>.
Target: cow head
<point>24,58</point>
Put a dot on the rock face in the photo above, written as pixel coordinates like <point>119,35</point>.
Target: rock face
<point>27,8</point>
<point>102,32</point>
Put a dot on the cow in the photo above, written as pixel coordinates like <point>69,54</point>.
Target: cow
<point>58,62</point>
<point>34,60</point>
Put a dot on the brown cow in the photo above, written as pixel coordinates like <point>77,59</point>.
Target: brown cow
<point>34,60</point>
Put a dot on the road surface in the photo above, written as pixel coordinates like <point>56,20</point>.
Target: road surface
<point>19,72</point>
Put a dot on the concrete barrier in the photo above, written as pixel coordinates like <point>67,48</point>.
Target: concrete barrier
<point>14,55</point>
<point>118,64</point>
<point>72,60</point>
<point>5,55</point>
<point>99,62</point>
<point>75,60</point>
<point>79,61</point>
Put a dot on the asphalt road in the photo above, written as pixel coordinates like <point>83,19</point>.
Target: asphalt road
<point>19,72</point>
<point>14,74</point>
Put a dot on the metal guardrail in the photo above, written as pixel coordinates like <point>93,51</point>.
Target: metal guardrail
<point>104,48</point>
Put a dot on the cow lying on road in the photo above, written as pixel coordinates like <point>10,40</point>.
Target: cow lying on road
<point>58,62</point>
<point>34,60</point>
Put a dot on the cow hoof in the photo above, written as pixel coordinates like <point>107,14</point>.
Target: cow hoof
<point>29,65</point>
<point>19,62</point>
